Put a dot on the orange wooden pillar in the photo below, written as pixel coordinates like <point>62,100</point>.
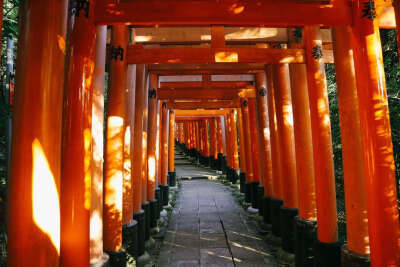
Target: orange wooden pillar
<point>396,6</point>
<point>228,156</point>
<point>34,185</point>
<point>164,154</point>
<point>352,153</point>
<point>234,143</point>
<point>242,156</point>
<point>171,150</point>
<point>322,148</point>
<point>305,222</point>
<point>254,152</point>
<point>96,203</point>
<point>220,145</point>
<point>76,145</point>
<point>206,143</point>
<point>277,196</point>
<point>152,150</point>
<point>248,152</point>
<point>213,143</point>
<point>383,217</point>
<point>144,144</point>
<point>265,148</point>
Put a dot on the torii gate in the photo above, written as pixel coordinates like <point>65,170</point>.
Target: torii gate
<point>56,182</point>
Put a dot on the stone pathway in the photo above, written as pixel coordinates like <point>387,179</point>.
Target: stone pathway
<point>208,228</point>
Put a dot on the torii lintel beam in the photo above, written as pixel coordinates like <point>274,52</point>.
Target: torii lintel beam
<point>200,85</point>
<point>193,118</point>
<point>204,105</point>
<point>211,94</point>
<point>201,112</point>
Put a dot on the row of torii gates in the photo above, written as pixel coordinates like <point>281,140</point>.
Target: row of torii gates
<point>64,210</point>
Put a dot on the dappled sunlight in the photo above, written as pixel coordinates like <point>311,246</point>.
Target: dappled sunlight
<point>127,180</point>
<point>252,33</point>
<point>255,250</point>
<point>226,56</point>
<point>45,198</point>
<point>87,138</point>
<point>96,233</point>
<point>152,169</point>
<point>236,9</point>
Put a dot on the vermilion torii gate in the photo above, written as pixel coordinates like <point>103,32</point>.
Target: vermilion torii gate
<point>65,211</point>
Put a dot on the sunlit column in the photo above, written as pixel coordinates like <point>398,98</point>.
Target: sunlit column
<point>234,148</point>
<point>152,137</point>
<point>206,140</point>
<point>228,135</point>
<point>34,185</point>
<point>242,156</point>
<point>115,134</point>
<point>144,140</point>
<point>352,153</point>
<point>164,144</point>
<point>96,203</point>
<point>171,149</point>
<point>248,152</point>
<point>322,142</point>
<point>383,215</point>
<point>213,138</point>
<point>220,148</point>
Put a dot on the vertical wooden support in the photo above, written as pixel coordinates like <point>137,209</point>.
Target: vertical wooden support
<point>254,140</point>
<point>171,143</point>
<point>96,203</point>
<point>352,153</point>
<point>263,132</point>
<point>302,134</point>
<point>206,139</point>
<point>235,153</point>
<point>242,158</point>
<point>273,126</point>
<point>113,183</point>
<point>284,115</point>
<point>228,141</point>
<point>219,137</point>
<point>34,216</point>
<point>137,163</point>
<point>164,144</point>
<point>217,36</point>
<point>321,135</point>
<point>77,141</point>
<point>213,138</point>
<point>144,140</point>
<point>247,137</point>
<point>152,137</point>
<point>383,215</point>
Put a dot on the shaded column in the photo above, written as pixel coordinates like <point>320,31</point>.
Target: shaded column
<point>228,141</point>
<point>265,149</point>
<point>214,145</point>
<point>352,153</point>
<point>383,215</point>
<point>234,146</point>
<point>322,150</point>
<point>277,196</point>
<point>207,142</point>
<point>76,143</point>
<point>96,203</point>
<point>248,152</point>
<point>171,150</point>
<point>164,154</point>
<point>220,145</point>
<point>242,156</point>
<point>35,166</point>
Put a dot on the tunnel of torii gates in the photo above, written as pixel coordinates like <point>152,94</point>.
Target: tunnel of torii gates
<point>218,79</point>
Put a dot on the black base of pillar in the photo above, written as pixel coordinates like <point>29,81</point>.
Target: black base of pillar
<point>275,216</point>
<point>146,208</point>
<point>235,176</point>
<point>247,193</point>
<point>266,204</point>
<point>213,163</point>
<point>242,178</point>
<point>327,254</point>
<point>304,236</point>
<point>219,161</point>
<point>352,259</point>
<point>287,228</point>
<point>260,195</point>
<point>159,202</point>
<point>254,186</point>
<point>228,174</point>
<point>153,213</point>
<point>141,222</point>
<point>130,238</point>
<point>117,258</point>
<point>165,194</point>
<point>224,164</point>
<point>172,179</point>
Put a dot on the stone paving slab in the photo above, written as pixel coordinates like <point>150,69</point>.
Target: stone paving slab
<point>208,228</point>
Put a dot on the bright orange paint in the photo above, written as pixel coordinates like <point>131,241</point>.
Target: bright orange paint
<point>206,140</point>
<point>152,139</point>
<point>352,153</point>
<point>383,216</point>
<point>228,140</point>
<point>247,137</point>
<point>234,143</point>
<point>273,126</point>
<point>34,216</point>
<point>322,141</point>
<point>144,140</point>
<point>213,138</point>
<point>219,136</point>
<point>303,138</point>
<point>241,142</point>
<point>171,144</point>
<point>264,134</point>
<point>254,141</point>
<point>164,145</point>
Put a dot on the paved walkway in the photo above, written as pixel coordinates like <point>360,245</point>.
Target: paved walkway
<point>208,228</point>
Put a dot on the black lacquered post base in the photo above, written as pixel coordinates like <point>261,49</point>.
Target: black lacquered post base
<point>260,195</point>
<point>275,216</point>
<point>224,164</point>
<point>141,226</point>
<point>247,193</point>
<point>327,254</point>
<point>287,228</point>
<point>235,176</point>
<point>219,162</point>
<point>172,179</point>
<point>130,238</point>
<point>228,174</point>
<point>254,186</point>
<point>165,194</point>
<point>266,203</point>
<point>242,179</point>
<point>146,208</point>
<point>304,236</point>
<point>157,194</point>
<point>117,258</point>
<point>153,213</point>
<point>352,259</point>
